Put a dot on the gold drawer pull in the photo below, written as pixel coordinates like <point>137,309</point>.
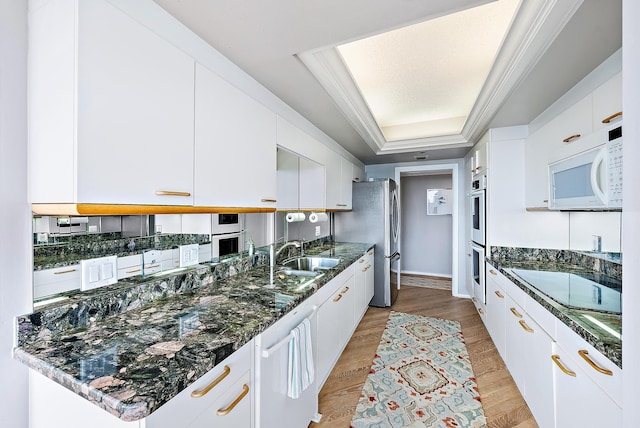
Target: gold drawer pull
<point>361,261</point>
<point>370,253</point>
<point>499,294</point>
<point>515,312</point>
<point>201,392</point>
<point>556,359</point>
<point>151,266</point>
<point>133,271</point>
<point>585,356</point>
<point>571,138</point>
<point>171,193</point>
<point>474,300</point>
<point>613,116</point>
<point>338,298</point>
<point>480,311</point>
<point>224,412</point>
<point>345,290</point>
<point>524,325</point>
<point>341,205</point>
<point>492,272</point>
<point>64,271</point>
<point>273,201</point>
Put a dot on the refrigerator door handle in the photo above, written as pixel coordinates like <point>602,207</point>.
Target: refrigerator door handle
<point>393,256</point>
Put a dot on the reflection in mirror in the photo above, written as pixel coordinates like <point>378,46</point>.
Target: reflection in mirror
<point>598,234</point>
<point>300,230</point>
<point>144,245</point>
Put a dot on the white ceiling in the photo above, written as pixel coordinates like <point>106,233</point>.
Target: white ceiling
<point>264,39</point>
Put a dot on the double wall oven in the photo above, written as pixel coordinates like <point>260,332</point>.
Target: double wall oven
<point>227,234</point>
<point>478,235</point>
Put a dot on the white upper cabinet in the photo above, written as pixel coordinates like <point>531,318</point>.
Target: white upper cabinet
<point>311,185</point>
<point>110,109</point>
<point>339,174</point>
<point>566,135</point>
<point>607,102</point>
<point>235,146</point>
<point>357,174</point>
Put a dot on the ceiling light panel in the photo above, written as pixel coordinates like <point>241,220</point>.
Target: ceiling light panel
<point>423,80</point>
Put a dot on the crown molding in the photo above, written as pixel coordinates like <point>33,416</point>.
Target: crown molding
<point>532,31</point>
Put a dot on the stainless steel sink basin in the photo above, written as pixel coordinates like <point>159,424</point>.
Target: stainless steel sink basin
<point>298,272</point>
<point>311,264</point>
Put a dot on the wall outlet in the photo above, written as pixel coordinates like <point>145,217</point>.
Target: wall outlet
<point>317,230</point>
<point>188,255</point>
<point>98,272</point>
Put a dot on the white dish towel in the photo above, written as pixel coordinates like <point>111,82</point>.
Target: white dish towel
<point>300,373</point>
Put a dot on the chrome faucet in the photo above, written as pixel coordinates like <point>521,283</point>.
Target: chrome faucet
<point>297,244</point>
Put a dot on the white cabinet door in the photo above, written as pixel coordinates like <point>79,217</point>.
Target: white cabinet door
<point>346,184</point>
<point>287,181</point>
<point>120,131</point>
<point>369,284</point>
<point>235,146</point>
<point>579,402</point>
<point>357,174</point>
<point>333,177</point>
<point>607,101</point>
<point>311,185</point>
<point>528,349</point>
<point>496,310</point>
<point>335,326</point>
<point>536,162</point>
<point>481,157</point>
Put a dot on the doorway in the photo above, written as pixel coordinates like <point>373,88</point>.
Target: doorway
<point>429,238</point>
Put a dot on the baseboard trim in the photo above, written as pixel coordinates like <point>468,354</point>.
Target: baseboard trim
<point>437,275</point>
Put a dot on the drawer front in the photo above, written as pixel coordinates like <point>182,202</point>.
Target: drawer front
<point>581,352</point>
<point>328,289</point>
<point>543,317</point>
<point>128,261</point>
<point>184,408</point>
<point>231,410</point>
<point>61,274</point>
<point>493,274</point>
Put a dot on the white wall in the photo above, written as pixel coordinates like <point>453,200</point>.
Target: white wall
<point>15,227</point>
<point>631,210</point>
<point>426,239</point>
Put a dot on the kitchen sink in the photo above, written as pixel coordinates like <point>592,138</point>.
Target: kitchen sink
<point>311,264</point>
<point>298,272</point>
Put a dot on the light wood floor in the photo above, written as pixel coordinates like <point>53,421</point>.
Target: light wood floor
<point>503,405</point>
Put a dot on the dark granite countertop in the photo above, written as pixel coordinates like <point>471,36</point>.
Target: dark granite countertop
<point>599,338</point>
<point>132,362</point>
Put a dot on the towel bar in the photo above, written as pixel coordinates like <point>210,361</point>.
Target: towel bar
<point>287,338</point>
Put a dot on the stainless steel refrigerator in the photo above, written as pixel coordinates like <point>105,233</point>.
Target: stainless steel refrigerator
<point>375,219</point>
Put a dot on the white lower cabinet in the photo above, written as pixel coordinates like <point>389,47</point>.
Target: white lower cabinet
<point>565,381</point>
<point>495,309</point>
<point>225,404</point>
<point>336,323</point>
<point>579,402</point>
<point>363,280</point>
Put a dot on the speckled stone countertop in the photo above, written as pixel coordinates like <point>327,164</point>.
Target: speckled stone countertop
<point>505,259</point>
<point>130,358</point>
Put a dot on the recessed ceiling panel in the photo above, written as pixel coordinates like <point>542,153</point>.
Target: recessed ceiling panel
<point>423,80</point>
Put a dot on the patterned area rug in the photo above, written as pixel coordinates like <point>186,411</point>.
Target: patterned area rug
<point>421,377</point>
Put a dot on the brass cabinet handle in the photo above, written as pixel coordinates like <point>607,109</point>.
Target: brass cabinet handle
<point>151,266</point>
<point>585,356</point>
<point>492,272</point>
<point>515,312</point>
<point>337,298</point>
<point>133,271</point>
<point>361,261</point>
<point>556,359</point>
<point>273,201</point>
<point>370,253</point>
<point>480,311</point>
<point>201,392</point>
<point>479,167</point>
<point>499,294</point>
<point>171,193</point>
<point>474,300</point>
<point>341,205</point>
<point>613,116</point>
<point>524,325</point>
<point>345,290</point>
<point>224,412</point>
<point>545,200</point>
<point>571,138</point>
<point>61,272</point>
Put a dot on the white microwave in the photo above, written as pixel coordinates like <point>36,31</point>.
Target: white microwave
<point>591,180</point>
